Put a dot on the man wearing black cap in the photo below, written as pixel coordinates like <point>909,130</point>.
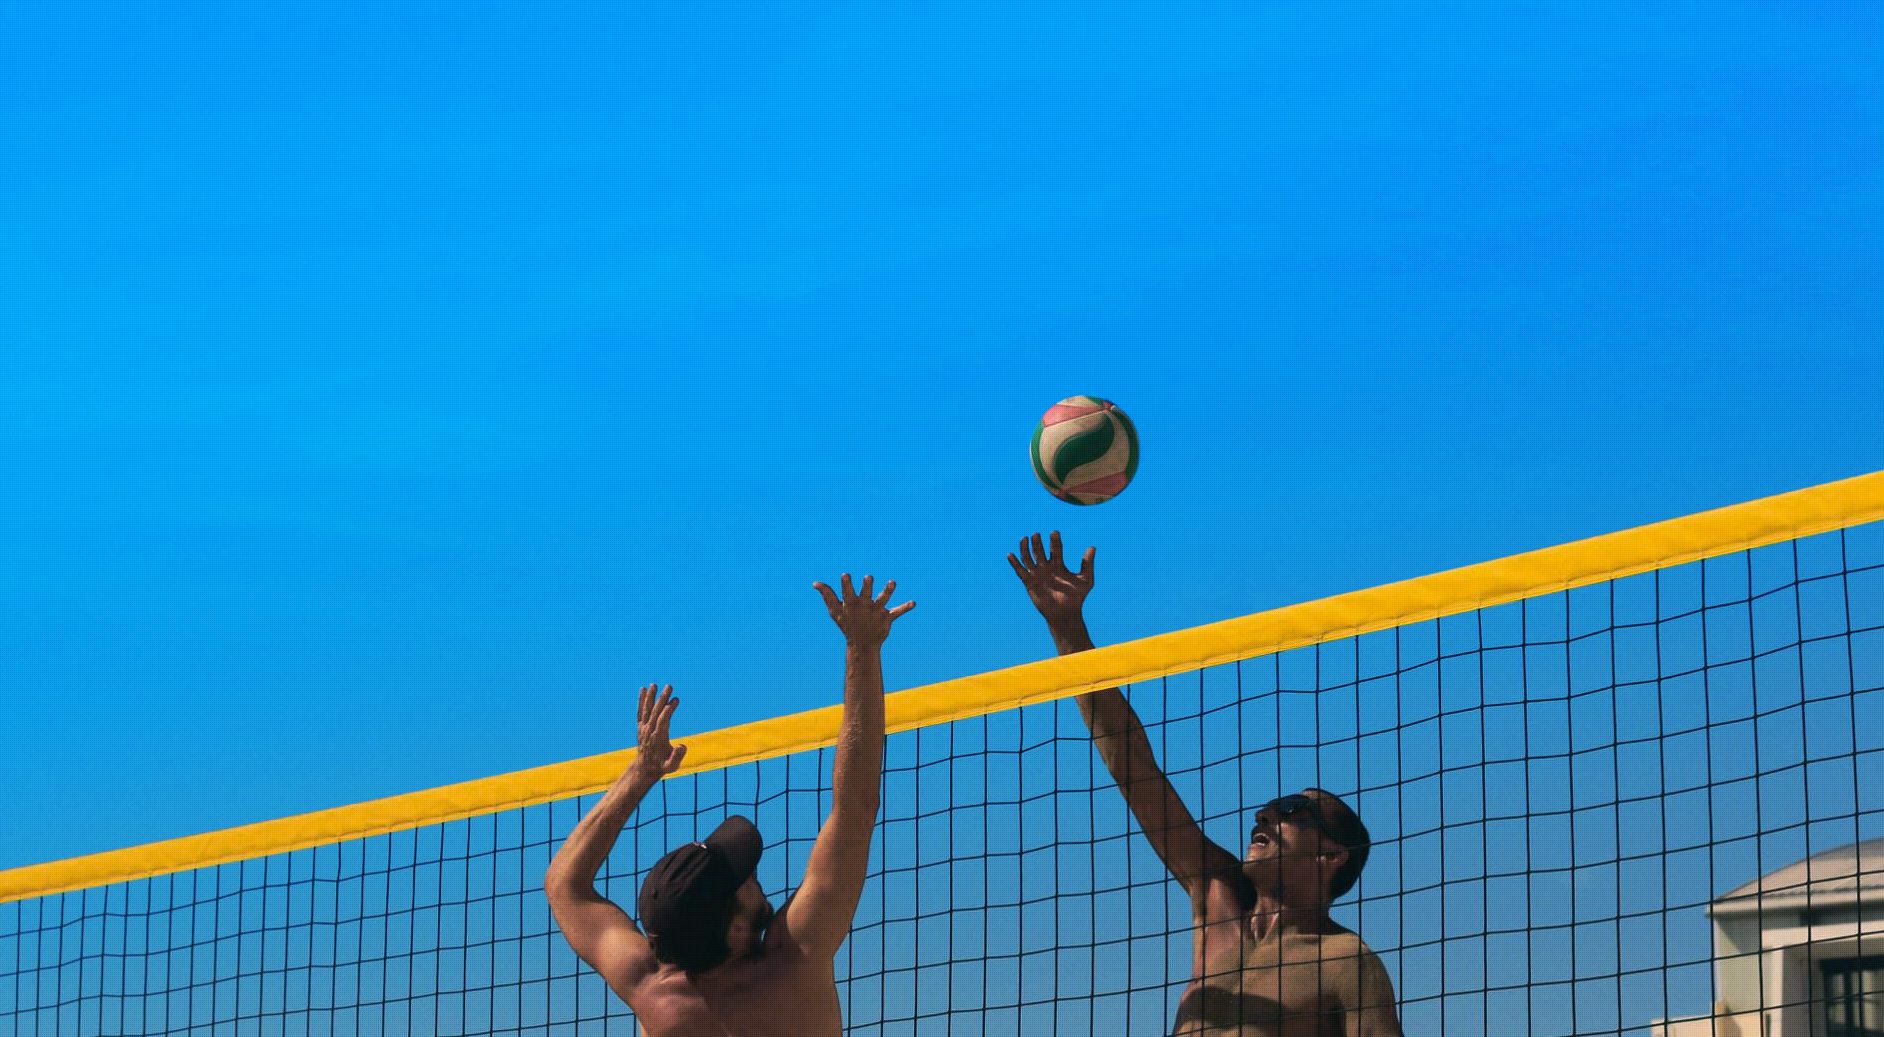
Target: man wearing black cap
<point>1266,959</point>
<point>714,960</point>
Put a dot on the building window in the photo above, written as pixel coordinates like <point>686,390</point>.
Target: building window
<point>1854,997</point>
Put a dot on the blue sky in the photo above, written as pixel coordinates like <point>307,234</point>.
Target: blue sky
<point>389,389</point>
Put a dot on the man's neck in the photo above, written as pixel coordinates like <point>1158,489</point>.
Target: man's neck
<point>1274,916</point>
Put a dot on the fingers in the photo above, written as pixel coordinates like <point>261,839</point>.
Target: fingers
<point>830,596</point>
<point>674,757</point>
<point>900,609</point>
<point>1036,552</point>
<point>845,609</point>
<point>656,707</point>
<point>651,697</point>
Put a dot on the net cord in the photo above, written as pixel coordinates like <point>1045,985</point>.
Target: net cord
<point>1741,527</point>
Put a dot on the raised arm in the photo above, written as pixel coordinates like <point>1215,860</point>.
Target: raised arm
<point>599,932</point>
<point>818,917</point>
<point>1060,595</point>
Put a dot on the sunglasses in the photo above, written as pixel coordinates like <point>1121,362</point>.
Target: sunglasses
<point>1293,808</point>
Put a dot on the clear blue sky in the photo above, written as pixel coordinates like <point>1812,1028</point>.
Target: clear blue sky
<point>389,389</point>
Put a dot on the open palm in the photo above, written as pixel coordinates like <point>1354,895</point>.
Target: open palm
<point>1055,590</point>
<point>863,618</point>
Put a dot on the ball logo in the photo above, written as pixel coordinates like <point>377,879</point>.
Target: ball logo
<point>1085,450</point>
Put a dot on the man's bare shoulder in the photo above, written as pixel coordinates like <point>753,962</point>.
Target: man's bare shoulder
<point>1354,976</point>
<point>1348,942</point>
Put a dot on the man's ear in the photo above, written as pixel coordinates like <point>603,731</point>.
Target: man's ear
<point>1337,854</point>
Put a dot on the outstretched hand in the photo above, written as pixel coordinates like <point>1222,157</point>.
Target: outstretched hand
<point>1055,590</point>
<point>864,620</point>
<point>657,757</point>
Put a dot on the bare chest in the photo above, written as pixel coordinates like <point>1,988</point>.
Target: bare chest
<point>1270,988</point>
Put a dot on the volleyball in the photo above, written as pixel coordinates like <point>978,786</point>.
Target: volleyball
<point>1085,450</point>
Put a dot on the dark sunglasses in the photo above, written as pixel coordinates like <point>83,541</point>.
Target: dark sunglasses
<point>1290,808</point>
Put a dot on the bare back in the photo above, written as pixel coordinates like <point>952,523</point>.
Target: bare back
<point>780,993</point>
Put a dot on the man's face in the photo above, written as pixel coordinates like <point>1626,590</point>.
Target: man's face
<point>752,913</point>
<point>1285,850</point>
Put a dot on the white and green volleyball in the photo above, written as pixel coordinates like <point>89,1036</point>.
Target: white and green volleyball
<point>1085,450</point>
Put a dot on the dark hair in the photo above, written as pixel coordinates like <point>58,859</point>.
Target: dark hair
<point>1350,872</point>
<point>1346,828</point>
<point>696,948</point>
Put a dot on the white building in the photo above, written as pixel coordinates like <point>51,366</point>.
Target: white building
<point>1799,952</point>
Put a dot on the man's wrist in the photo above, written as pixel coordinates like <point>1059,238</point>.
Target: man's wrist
<point>1071,636</point>
<point>1066,623</point>
<point>638,779</point>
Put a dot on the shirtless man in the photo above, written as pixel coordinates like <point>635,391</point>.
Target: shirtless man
<point>715,961</point>
<point>1266,960</point>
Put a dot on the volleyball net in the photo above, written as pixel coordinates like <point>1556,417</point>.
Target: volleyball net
<point>1632,785</point>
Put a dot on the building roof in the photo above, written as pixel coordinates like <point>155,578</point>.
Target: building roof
<point>1845,875</point>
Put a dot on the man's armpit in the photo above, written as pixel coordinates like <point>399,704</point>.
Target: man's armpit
<point>1223,897</point>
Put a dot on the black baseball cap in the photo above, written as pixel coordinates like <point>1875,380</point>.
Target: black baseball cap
<point>689,891</point>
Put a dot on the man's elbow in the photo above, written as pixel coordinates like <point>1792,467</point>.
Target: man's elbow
<point>558,885</point>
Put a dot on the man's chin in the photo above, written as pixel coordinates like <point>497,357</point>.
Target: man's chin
<point>1262,871</point>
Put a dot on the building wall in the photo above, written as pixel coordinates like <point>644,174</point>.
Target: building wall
<point>1737,966</point>
<point>1720,1024</point>
<point>1767,972</point>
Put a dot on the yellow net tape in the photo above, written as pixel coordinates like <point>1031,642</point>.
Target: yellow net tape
<point>1770,520</point>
